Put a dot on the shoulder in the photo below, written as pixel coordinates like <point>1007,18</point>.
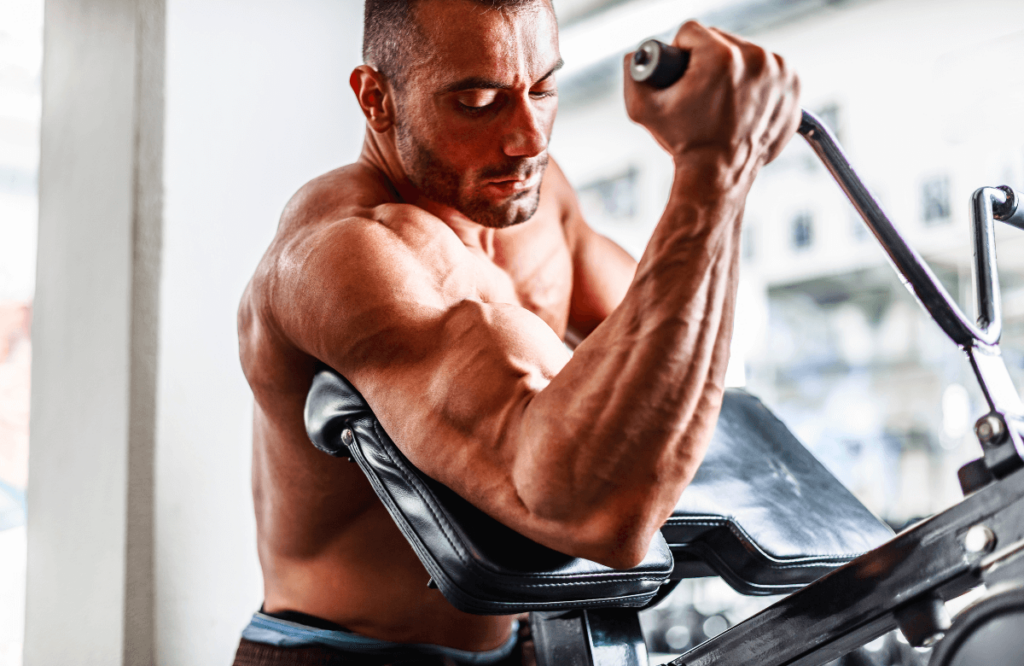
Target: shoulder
<point>349,191</point>
<point>354,209</point>
<point>346,267</point>
<point>345,224</point>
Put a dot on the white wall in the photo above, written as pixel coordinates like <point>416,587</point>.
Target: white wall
<point>258,102</point>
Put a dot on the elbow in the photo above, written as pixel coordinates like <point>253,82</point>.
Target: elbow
<point>622,558</point>
<point>622,546</point>
<point>616,531</point>
<point>613,526</point>
<point>607,538</point>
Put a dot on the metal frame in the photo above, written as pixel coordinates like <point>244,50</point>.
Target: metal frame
<point>887,588</point>
<point>588,637</point>
<point>915,273</point>
<point>999,430</point>
<point>903,583</point>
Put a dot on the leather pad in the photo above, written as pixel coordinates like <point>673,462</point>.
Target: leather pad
<point>480,565</point>
<point>762,512</point>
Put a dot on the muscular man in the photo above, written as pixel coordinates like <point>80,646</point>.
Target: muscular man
<point>441,274</point>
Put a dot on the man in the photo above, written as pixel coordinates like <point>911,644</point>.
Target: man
<point>441,273</point>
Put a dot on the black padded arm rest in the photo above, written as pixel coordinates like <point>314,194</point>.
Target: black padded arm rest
<point>762,512</point>
<point>479,565</point>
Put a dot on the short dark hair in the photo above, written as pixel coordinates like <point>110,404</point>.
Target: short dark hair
<point>389,33</point>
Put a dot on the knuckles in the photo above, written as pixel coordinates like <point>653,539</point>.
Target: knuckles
<point>756,60</point>
<point>690,28</point>
<point>722,58</point>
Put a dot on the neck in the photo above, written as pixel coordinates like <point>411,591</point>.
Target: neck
<point>380,153</point>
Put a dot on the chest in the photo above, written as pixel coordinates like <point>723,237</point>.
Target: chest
<point>529,266</point>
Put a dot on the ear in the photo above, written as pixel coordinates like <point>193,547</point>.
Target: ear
<point>375,97</point>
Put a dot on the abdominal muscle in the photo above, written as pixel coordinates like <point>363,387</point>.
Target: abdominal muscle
<point>328,547</point>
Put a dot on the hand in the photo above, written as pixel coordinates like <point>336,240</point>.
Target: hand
<point>734,110</point>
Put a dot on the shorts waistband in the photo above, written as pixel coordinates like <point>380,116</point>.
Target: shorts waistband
<point>270,630</point>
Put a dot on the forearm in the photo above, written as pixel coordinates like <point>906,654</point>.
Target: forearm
<point>621,429</point>
<point>587,454</point>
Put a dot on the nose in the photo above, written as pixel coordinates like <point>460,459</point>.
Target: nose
<point>527,133</point>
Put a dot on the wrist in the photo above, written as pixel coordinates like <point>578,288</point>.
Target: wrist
<point>710,175</point>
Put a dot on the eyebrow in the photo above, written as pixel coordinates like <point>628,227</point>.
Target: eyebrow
<point>481,83</point>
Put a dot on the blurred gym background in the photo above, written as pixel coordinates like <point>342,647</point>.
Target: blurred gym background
<point>149,146</point>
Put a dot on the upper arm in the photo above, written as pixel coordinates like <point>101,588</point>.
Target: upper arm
<point>447,374</point>
<point>602,271</point>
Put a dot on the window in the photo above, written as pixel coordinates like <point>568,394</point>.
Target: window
<point>935,200</point>
<point>802,231</point>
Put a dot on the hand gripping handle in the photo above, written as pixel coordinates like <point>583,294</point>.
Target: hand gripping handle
<point>660,65</point>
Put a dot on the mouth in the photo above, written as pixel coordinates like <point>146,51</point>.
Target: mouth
<point>508,187</point>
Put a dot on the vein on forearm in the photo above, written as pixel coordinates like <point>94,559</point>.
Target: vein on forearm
<point>630,407</point>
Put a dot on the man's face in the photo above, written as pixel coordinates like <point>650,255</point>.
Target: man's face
<point>475,113</point>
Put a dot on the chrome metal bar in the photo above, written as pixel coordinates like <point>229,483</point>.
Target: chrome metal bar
<point>1011,211</point>
<point>994,380</point>
<point>986,280</point>
<point>911,268</point>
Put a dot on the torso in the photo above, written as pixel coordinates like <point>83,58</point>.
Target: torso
<point>327,545</point>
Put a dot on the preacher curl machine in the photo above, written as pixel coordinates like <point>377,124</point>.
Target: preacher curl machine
<point>762,512</point>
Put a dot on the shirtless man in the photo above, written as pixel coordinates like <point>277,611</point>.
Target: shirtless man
<point>441,274</point>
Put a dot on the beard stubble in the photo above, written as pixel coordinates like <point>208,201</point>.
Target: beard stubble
<point>440,182</point>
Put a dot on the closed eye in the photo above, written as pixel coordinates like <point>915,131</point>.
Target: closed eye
<point>477,100</point>
<point>473,109</point>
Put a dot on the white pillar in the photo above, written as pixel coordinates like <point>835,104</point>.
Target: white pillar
<point>90,497</point>
<point>154,210</point>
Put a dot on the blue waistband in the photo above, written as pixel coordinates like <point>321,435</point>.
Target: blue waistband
<point>270,630</point>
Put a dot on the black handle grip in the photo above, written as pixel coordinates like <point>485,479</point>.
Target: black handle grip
<point>658,64</point>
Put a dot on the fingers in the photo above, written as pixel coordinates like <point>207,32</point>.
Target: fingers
<point>791,112</point>
<point>709,51</point>
<point>641,99</point>
<point>643,102</point>
<point>778,97</point>
<point>780,93</point>
<point>690,34</point>
<point>735,39</point>
<point>734,93</point>
<point>788,115</point>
